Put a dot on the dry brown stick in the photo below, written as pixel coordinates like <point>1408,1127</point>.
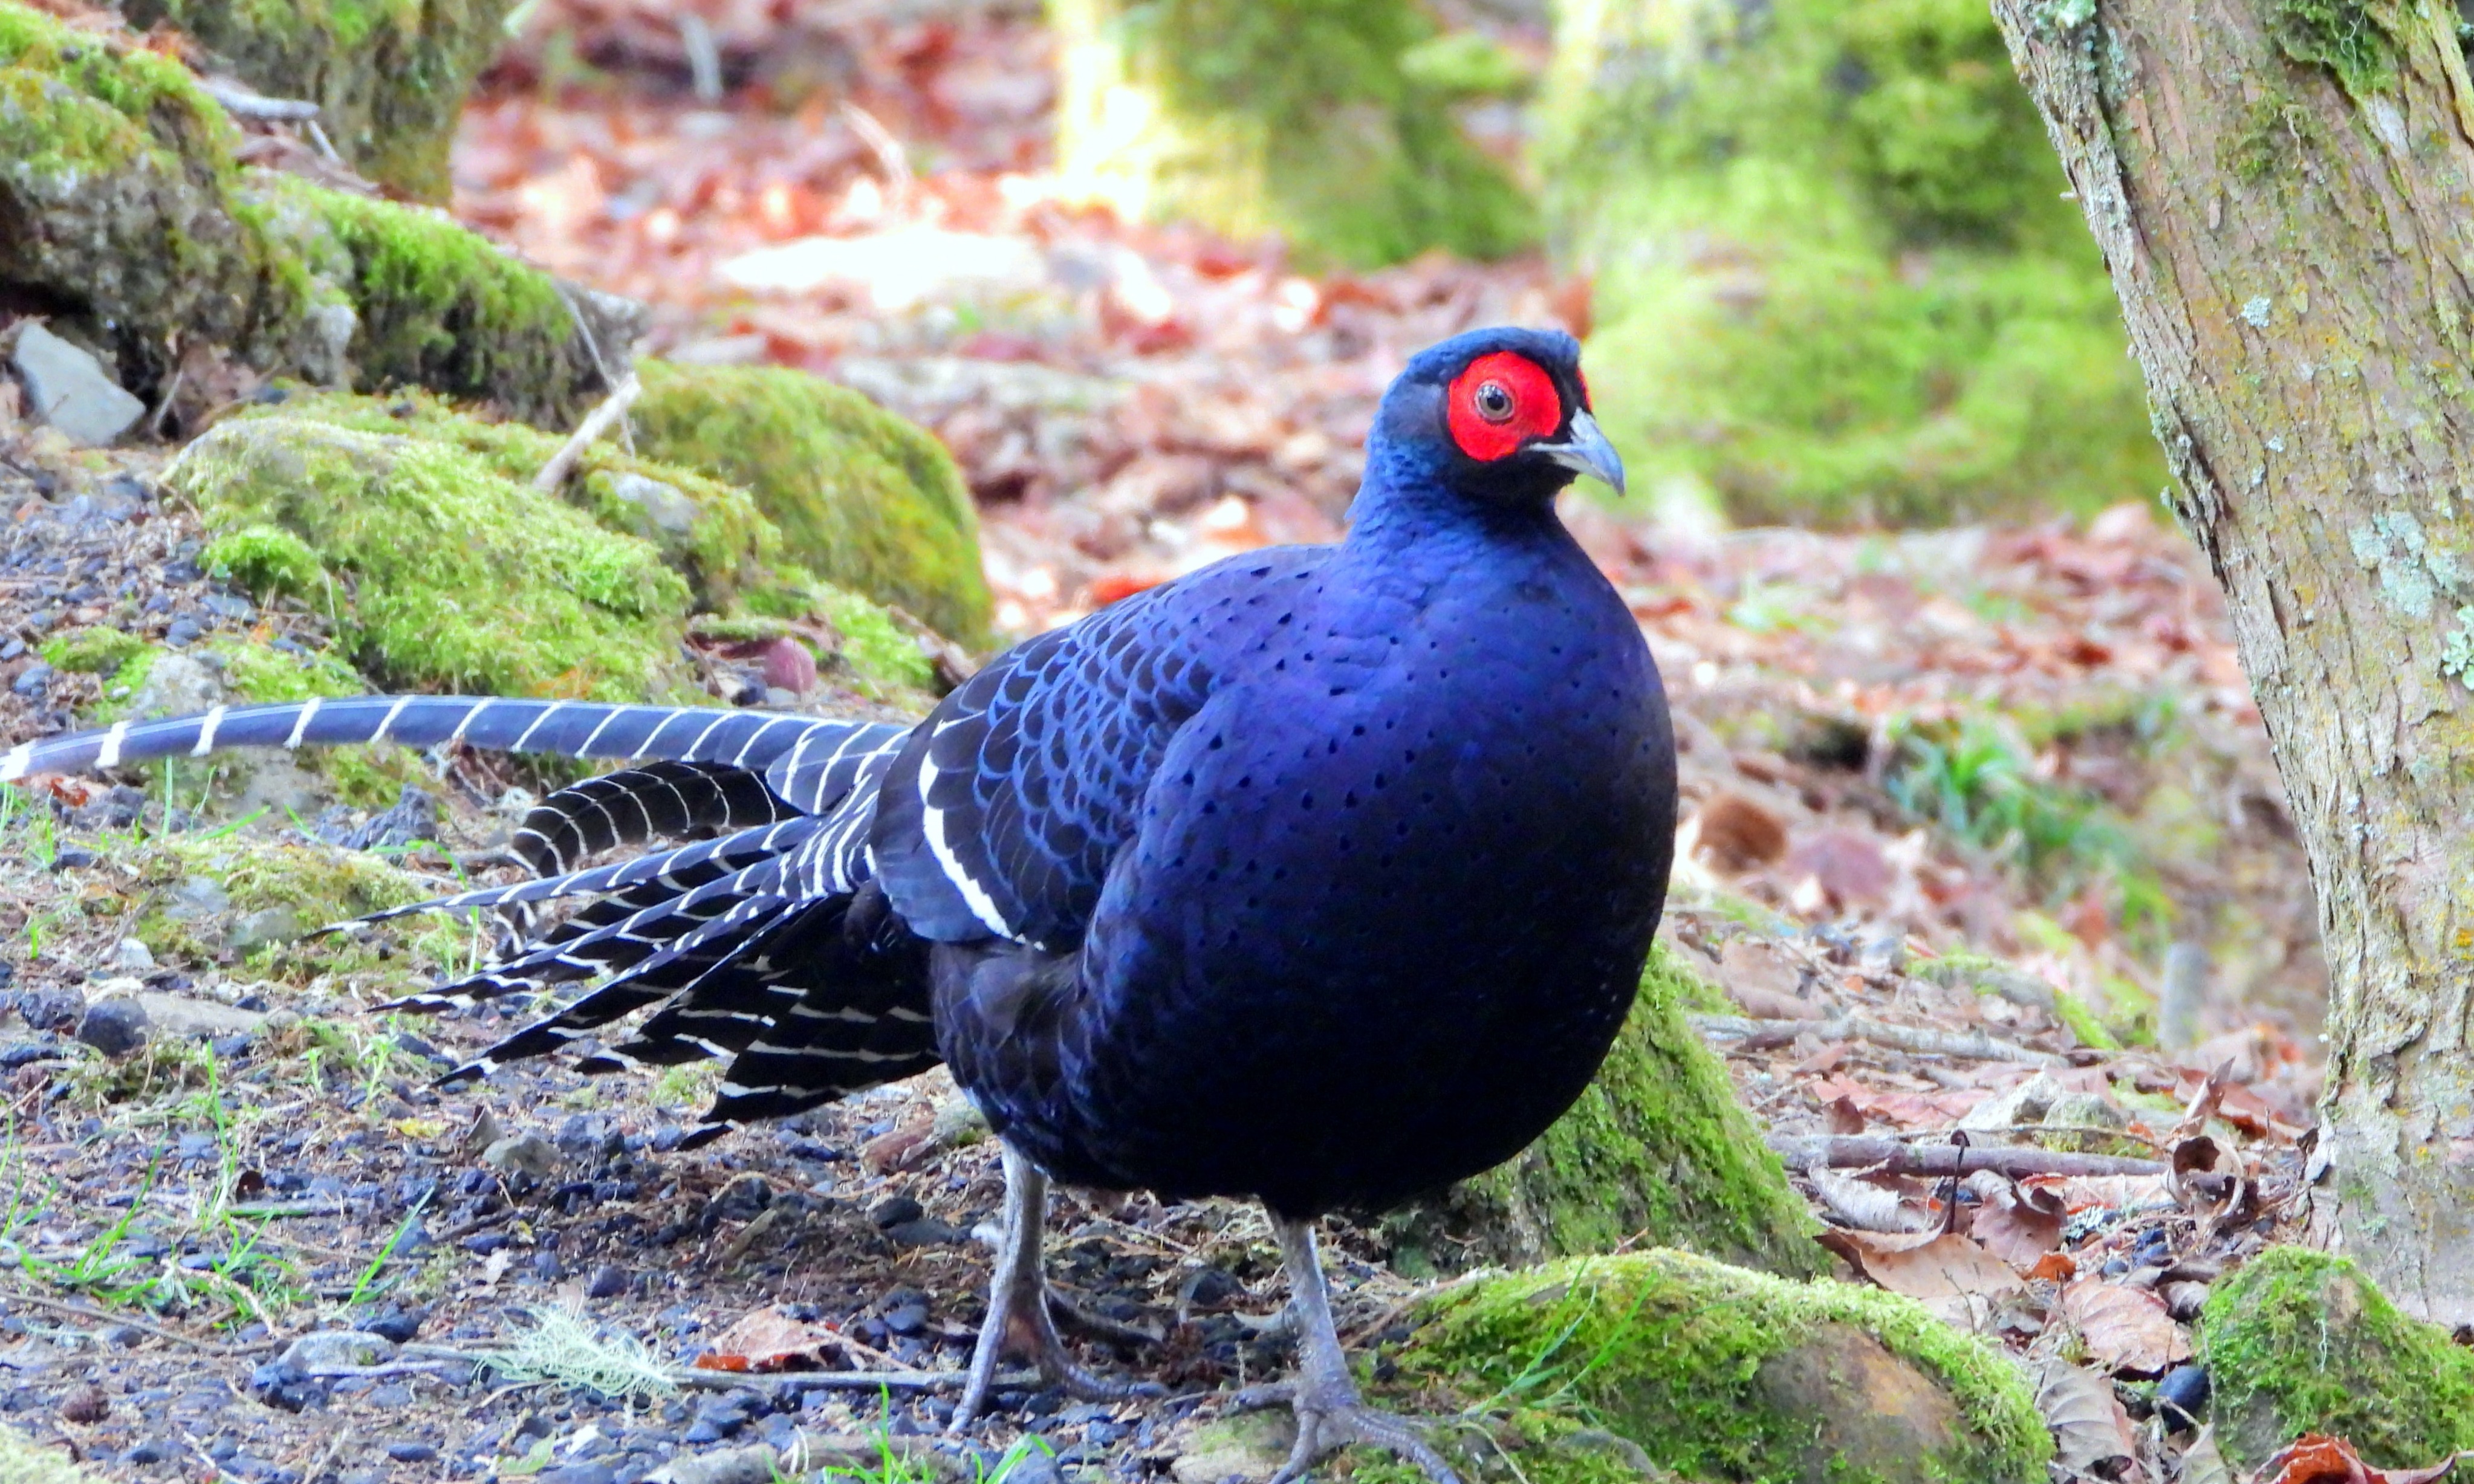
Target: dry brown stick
<point>1897,1157</point>
<point>160,1331</point>
<point>1973,1045</point>
<point>596,422</point>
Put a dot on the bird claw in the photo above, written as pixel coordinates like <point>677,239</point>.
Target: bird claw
<point>1330,1421</point>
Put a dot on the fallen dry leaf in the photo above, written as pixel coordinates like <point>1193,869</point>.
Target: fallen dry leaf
<point>2020,1226</point>
<point>2316,1458</point>
<point>1926,1265</point>
<point>768,1338</point>
<point>2091,1430</point>
<point>2126,1330</point>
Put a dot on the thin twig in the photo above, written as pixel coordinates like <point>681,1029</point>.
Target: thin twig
<point>327,1460</point>
<point>160,1331</point>
<point>272,1209</point>
<point>598,421</point>
<point>1973,1045</point>
<point>1897,1157</point>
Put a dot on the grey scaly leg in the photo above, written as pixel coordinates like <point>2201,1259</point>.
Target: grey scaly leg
<point>1331,1415</point>
<point>1018,1293</point>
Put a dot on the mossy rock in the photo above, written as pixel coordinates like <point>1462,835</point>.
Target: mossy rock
<point>861,497</point>
<point>124,213</point>
<point>1328,123</point>
<point>1658,1148</point>
<point>438,570</point>
<point>1720,1374</point>
<point>1835,275</point>
<point>2299,1341</point>
<point>217,897</point>
<point>389,76</point>
<point>417,530</point>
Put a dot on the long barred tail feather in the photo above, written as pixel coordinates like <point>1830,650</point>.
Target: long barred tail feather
<point>658,800</point>
<point>752,739</point>
<point>661,875</point>
<point>740,940</point>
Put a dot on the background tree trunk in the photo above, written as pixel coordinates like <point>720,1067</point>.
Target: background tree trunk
<point>1326,121</point>
<point>2284,192</point>
<point>1834,277</point>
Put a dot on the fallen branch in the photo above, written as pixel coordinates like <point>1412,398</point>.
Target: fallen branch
<point>841,1380</point>
<point>270,1210</point>
<point>596,422</point>
<point>256,108</point>
<point>1973,1045</point>
<point>1897,1157</point>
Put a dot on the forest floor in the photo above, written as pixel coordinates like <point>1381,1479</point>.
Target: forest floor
<point>1903,753</point>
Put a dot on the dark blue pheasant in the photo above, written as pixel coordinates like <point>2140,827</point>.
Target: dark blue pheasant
<point>1323,875</point>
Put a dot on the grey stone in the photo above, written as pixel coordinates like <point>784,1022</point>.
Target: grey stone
<point>663,504</point>
<point>114,1026</point>
<point>268,925</point>
<point>177,686</point>
<point>32,680</point>
<point>68,389</point>
<point>523,1153</point>
<point>333,1350</point>
<point>201,1020</point>
<point>196,898</point>
<point>131,956</point>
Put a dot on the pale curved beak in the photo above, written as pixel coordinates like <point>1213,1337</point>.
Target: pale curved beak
<point>1587,452</point>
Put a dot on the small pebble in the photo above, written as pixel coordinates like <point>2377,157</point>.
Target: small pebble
<point>114,1026</point>
<point>409,1452</point>
<point>85,1404</point>
<point>2182,1397</point>
<point>896,1210</point>
<point>608,1281</point>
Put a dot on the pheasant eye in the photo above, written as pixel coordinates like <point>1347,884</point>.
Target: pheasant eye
<point>1499,402</point>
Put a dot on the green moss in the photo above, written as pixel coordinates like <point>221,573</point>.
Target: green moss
<point>2299,1341</point>
<point>876,653</point>
<point>1835,275</point>
<point>1658,1148</point>
<point>444,308</point>
<point>863,499</point>
<point>307,886</point>
<point>389,76</point>
<point>1291,116</point>
<point>1693,1362</point>
<point>93,651</point>
<point>712,531</point>
<point>2074,1012</point>
<point>267,559</point>
<point>2344,37</point>
<point>445,574</point>
<point>22,1461</point>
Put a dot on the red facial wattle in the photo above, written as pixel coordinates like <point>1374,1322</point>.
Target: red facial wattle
<point>1499,402</point>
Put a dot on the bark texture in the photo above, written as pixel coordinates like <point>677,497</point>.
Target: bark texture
<point>2284,193</point>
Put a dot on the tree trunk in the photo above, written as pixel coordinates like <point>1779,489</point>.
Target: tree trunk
<point>2284,193</point>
